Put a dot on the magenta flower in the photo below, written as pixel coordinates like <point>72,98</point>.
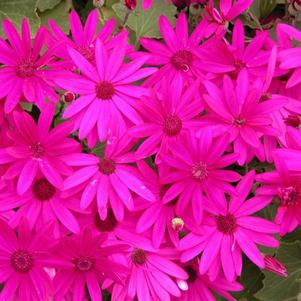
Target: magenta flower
<point>25,69</point>
<point>239,109</point>
<point>168,116</point>
<point>42,204</point>
<point>221,57</point>
<point>107,99</point>
<point>196,171</point>
<point>81,260</point>
<point>286,186</point>
<point>82,38</point>
<point>217,21</point>
<point>36,147</point>
<point>228,230</point>
<point>178,57</point>
<point>23,257</point>
<point>152,272</point>
<point>111,179</point>
<point>200,287</point>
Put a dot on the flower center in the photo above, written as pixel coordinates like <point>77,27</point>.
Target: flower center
<point>43,190</point>
<point>26,68</point>
<point>139,257</point>
<point>84,263</point>
<point>21,261</point>
<point>107,225</point>
<point>37,150</point>
<point>199,171</point>
<point>172,125</point>
<point>104,90</point>
<point>192,274</point>
<point>239,121</point>
<point>86,51</point>
<point>239,65</point>
<point>182,60</point>
<point>106,166</point>
<point>293,120</point>
<point>226,223</point>
<point>289,196</point>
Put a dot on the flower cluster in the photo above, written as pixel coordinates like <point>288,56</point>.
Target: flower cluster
<point>144,173</point>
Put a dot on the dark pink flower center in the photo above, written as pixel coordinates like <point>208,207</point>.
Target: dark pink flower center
<point>172,125</point>
<point>199,171</point>
<point>139,257</point>
<point>84,263</point>
<point>289,196</point>
<point>130,4</point>
<point>43,190</point>
<point>226,223</point>
<point>192,274</point>
<point>86,51</point>
<point>37,150</point>
<point>106,166</point>
<point>239,121</point>
<point>239,64</point>
<point>293,120</point>
<point>69,97</point>
<point>22,261</point>
<point>104,90</point>
<point>107,225</point>
<point>182,60</point>
<point>26,68</point>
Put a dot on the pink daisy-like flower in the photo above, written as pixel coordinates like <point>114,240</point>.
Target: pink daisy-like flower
<point>23,257</point>
<point>240,110</point>
<point>25,68</point>
<point>178,57</point>
<point>107,98</point>
<point>37,147</point>
<point>110,178</point>
<point>82,38</point>
<point>167,117</point>
<point>42,204</point>
<point>82,261</point>
<point>222,57</point>
<point>200,287</point>
<point>196,171</point>
<point>228,230</point>
<point>286,186</point>
<point>215,21</point>
<point>152,272</point>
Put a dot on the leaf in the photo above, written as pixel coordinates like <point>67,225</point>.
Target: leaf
<point>59,14</point>
<point>47,4</point>
<point>284,289</point>
<point>293,236</point>
<point>145,23</point>
<point>251,279</point>
<point>15,10</point>
<point>99,149</point>
<point>262,8</point>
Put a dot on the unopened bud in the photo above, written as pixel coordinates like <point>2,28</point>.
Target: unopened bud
<point>275,266</point>
<point>68,97</point>
<point>177,224</point>
<point>98,3</point>
<point>130,4</point>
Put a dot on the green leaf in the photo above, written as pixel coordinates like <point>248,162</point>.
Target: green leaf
<point>99,149</point>
<point>47,4</point>
<point>15,10</point>
<point>60,14</point>
<point>145,23</point>
<point>262,8</point>
<point>251,279</point>
<point>277,288</point>
<point>293,236</point>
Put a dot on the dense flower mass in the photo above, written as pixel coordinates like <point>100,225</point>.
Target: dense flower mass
<point>147,172</point>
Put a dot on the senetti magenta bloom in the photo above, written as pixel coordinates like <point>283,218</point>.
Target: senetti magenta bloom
<point>36,147</point>
<point>228,230</point>
<point>25,70</point>
<point>107,99</point>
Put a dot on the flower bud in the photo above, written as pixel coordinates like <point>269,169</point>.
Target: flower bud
<point>68,97</point>
<point>130,4</point>
<point>275,266</point>
<point>98,3</point>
